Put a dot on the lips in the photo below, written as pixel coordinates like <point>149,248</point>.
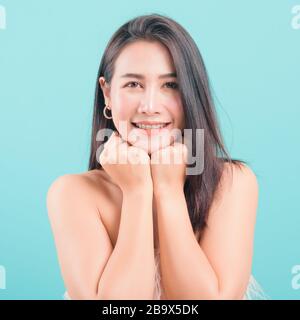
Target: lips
<point>152,131</point>
<point>139,124</point>
<point>151,122</point>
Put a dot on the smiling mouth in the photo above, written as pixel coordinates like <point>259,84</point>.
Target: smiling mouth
<point>152,126</point>
<point>151,129</point>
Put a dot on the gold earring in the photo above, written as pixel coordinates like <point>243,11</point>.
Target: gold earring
<point>104,113</point>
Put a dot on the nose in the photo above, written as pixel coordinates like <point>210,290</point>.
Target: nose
<point>150,103</point>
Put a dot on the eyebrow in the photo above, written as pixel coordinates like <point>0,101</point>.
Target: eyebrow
<point>140,76</point>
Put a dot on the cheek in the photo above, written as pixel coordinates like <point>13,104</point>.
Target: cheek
<point>124,106</point>
<point>175,108</point>
<point>123,111</point>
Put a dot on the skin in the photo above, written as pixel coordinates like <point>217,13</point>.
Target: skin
<point>125,210</point>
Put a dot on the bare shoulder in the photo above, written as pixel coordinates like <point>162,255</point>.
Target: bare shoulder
<point>88,187</point>
<point>238,187</point>
<point>236,177</point>
<point>69,182</point>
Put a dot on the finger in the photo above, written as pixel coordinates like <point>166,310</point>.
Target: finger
<point>113,140</point>
<point>119,138</point>
<point>181,151</point>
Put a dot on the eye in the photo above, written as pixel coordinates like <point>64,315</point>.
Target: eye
<point>132,82</point>
<point>174,85</point>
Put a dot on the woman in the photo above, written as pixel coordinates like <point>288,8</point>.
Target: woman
<point>133,227</point>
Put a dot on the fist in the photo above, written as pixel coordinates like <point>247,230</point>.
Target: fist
<point>128,166</point>
<point>168,166</point>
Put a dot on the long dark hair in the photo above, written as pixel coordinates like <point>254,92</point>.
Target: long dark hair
<point>199,110</point>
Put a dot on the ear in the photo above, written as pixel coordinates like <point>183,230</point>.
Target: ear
<point>105,89</point>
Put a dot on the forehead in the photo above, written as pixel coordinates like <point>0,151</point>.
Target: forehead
<point>144,57</point>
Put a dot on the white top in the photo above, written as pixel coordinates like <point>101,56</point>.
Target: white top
<point>254,290</point>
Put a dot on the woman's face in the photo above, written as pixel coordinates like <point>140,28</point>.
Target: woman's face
<point>144,89</point>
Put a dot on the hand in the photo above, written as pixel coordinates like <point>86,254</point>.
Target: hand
<point>168,167</point>
<point>128,166</point>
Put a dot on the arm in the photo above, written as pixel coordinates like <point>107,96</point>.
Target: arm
<point>219,267</point>
<point>90,267</point>
<point>130,271</point>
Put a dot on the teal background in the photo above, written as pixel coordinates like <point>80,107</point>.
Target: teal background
<point>49,58</point>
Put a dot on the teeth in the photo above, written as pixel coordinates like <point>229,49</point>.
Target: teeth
<point>156,126</point>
